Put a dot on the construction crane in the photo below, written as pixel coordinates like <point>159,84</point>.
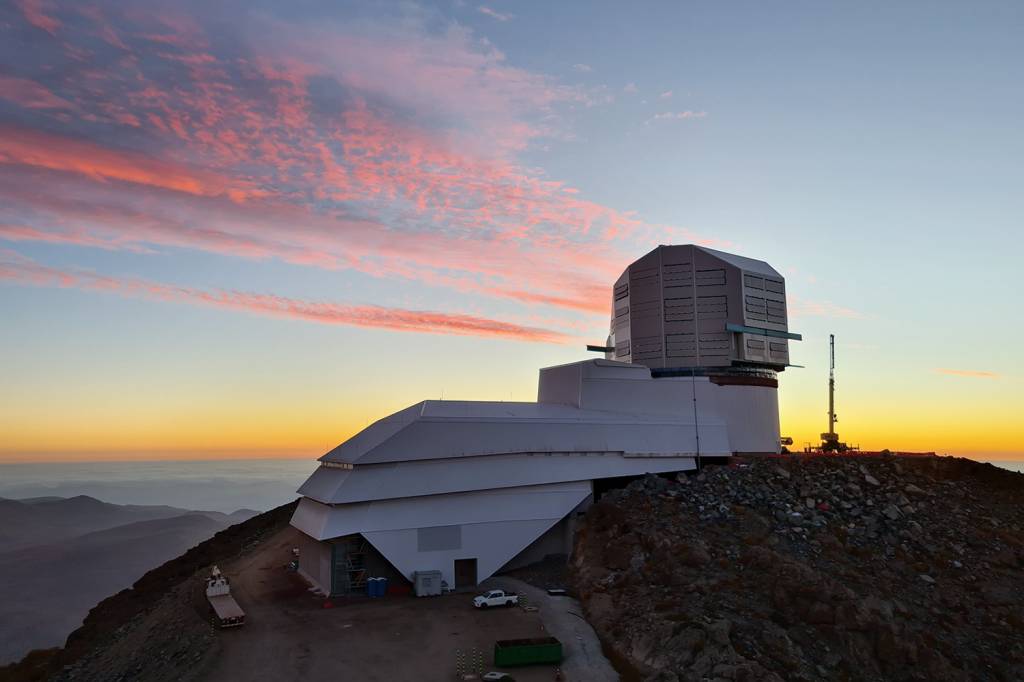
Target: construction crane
<point>830,440</point>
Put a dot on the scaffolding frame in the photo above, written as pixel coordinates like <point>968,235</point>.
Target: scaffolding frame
<point>348,565</point>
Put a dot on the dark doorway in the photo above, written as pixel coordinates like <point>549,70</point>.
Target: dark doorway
<point>604,485</point>
<point>465,573</point>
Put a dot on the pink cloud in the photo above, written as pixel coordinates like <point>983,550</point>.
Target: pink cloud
<point>494,14</point>
<point>392,149</point>
<point>395,319</point>
<point>26,147</point>
<point>799,307</point>
<point>77,212</point>
<point>677,115</point>
<point>35,15</point>
<point>970,373</point>
<point>29,94</point>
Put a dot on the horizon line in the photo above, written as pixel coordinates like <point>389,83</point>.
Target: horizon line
<point>182,457</point>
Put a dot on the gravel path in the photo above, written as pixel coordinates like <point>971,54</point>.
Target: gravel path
<point>563,618</point>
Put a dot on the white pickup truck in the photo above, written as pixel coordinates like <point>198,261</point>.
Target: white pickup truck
<point>495,598</point>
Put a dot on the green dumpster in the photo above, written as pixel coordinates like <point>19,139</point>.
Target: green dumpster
<point>513,652</point>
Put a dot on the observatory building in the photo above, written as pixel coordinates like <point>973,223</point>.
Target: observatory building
<point>472,488</point>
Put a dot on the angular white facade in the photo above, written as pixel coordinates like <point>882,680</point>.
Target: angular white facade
<point>467,488</point>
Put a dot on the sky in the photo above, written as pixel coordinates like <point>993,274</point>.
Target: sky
<point>251,229</point>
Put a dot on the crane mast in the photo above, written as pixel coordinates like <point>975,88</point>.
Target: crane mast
<point>830,439</point>
<point>832,383</point>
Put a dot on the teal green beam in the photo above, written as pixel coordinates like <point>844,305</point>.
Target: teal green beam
<point>743,329</point>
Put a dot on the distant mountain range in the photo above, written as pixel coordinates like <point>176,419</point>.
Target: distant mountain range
<point>60,556</point>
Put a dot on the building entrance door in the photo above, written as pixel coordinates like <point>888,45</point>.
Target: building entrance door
<point>465,573</point>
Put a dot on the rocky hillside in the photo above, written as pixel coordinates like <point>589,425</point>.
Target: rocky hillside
<point>156,630</point>
<point>58,557</point>
<point>838,568</point>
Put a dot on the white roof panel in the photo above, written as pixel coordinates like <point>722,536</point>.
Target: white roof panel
<point>443,429</point>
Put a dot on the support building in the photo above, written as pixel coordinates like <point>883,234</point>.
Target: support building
<point>471,488</point>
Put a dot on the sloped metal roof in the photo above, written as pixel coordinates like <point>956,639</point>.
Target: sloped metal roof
<point>742,262</point>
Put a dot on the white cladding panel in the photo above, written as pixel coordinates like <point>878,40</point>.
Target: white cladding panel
<point>431,477</point>
<point>493,526</point>
<point>315,562</point>
<point>492,544</point>
<point>652,397</point>
<point>311,518</point>
<point>536,502</point>
<point>752,413</point>
<point>324,483</point>
<point>560,385</point>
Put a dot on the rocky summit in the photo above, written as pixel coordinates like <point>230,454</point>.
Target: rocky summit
<point>810,568</point>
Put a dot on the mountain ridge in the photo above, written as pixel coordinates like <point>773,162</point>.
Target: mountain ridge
<point>113,615</point>
<point>59,556</point>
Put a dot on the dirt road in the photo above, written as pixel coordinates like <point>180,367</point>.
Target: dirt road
<point>289,636</point>
<point>563,618</point>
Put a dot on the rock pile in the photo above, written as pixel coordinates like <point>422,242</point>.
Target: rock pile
<point>166,644</point>
<point>813,568</point>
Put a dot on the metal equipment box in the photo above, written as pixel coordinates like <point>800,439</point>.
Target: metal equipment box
<point>427,583</point>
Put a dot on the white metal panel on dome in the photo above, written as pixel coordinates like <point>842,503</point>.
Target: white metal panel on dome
<point>432,477</point>
<point>691,306</point>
